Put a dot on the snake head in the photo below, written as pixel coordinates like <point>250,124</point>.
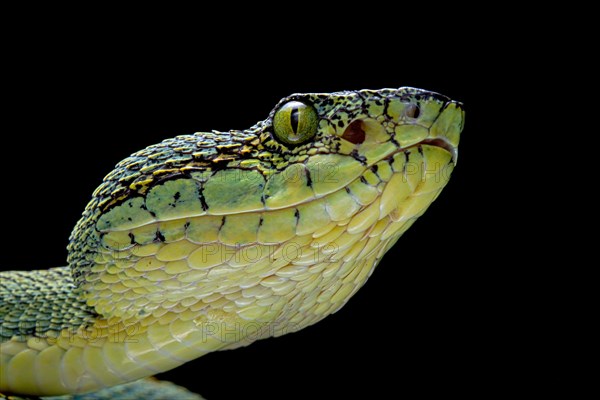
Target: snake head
<point>366,124</point>
<point>330,140</point>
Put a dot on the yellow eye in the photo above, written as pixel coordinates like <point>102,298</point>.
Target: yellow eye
<point>295,123</point>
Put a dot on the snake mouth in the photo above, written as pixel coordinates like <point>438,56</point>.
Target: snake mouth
<point>442,143</point>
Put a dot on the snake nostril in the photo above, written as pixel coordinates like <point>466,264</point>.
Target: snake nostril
<point>355,132</point>
<point>412,111</point>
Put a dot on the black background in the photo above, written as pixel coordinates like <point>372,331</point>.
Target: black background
<point>421,323</point>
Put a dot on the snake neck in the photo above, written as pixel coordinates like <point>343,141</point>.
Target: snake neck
<point>41,304</point>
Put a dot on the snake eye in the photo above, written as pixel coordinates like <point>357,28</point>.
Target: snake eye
<point>412,111</point>
<point>295,123</point>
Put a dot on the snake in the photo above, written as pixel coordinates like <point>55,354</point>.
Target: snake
<point>214,240</point>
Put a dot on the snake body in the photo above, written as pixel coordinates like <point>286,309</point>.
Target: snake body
<point>211,241</point>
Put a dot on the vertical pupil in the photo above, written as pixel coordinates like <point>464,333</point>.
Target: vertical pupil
<point>294,119</point>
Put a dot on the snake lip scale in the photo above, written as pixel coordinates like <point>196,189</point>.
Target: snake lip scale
<point>211,241</point>
<point>441,143</point>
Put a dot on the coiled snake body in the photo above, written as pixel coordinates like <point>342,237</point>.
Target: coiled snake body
<point>211,241</point>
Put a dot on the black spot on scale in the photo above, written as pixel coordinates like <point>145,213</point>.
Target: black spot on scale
<point>358,157</point>
<point>132,238</point>
<point>337,145</point>
<point>420,149</point>
<point>143,207</point>
<point>159,237</point>
<point>203,200</point>
<point>297,214</point>
<point>341,124</point>
<point>308,178</point>
<point>177,196</point>
<point>363,180</point>
<point>260,221</point>
<point>386,104</point>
